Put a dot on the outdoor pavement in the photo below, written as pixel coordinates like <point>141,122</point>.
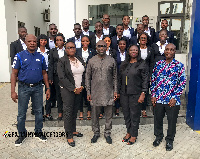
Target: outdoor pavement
<point>186,144</point>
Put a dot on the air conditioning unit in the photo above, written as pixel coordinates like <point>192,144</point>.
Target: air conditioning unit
<point>46,15</point>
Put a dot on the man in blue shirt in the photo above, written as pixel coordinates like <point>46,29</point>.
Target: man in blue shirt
<point>30,68</point>
<point>167,84</point>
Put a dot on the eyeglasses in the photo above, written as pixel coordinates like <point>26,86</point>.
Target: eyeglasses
<point>99,46</point>
<point>143,38</point>
<point>68,48</point>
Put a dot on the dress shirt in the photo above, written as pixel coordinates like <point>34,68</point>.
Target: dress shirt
<point>85,55</point>
<point>77,71</point>
<point>168,81</point>
<point>162,47</point>
<point>106,31</point>
<point>85,33</point>
<point>122,56</point>
<point>127,32</point>
<point>78,42</point>
<point>108,51</point>
<point>101,80</point>
<point>45,55</point>
<point>97,39</point>
<point>61,52</point>
<point>148,32</point>
<point>143,53</point>
<point>23,45</point>
<point>51,44</point>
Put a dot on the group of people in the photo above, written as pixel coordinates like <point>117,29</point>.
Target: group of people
<point>105,68</point>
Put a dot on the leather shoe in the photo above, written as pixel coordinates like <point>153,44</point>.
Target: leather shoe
<point>72,144</point>
<point>108,140</point>
<point>169,146</point>
<point>78,135</point>
<point>94,139</point>
<point>157,142</point>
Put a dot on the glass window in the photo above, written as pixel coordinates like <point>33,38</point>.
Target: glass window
<point>165,8</point>
<point>177,8</point>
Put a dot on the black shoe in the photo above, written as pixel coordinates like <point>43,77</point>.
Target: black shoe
<point>41,137</point>
<point>20,140</point>
<point>108,140</point>
<point>78,135</point>
<point>59,118</point>
<point>94,139</point>
<point>157,142</point>
<point>49,117</point>
<point>169,146</point>
<point>72,144</point>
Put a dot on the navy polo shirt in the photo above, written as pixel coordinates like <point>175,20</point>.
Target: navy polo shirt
<point>30,66</point>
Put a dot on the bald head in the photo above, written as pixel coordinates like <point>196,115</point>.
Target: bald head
<point>171,45</point>
<point>101,47</point>
<point>106,19</point>
<point>170,51</point>
<point>31,43</point>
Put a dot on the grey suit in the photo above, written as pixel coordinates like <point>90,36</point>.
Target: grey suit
<point>15,47</point>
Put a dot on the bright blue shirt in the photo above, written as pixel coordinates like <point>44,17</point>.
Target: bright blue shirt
<point>30,66</point>
<point>168,81</point>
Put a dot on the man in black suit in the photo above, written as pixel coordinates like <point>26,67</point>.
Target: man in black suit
<point>85,26</point>
<point>18,45</point>
<point>170,34</point>
<point>52,34</point>
<point>150,31</point>
<point>107,29</point>
<point>77,38</point>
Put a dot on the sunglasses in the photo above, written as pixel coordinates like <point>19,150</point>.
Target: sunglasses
<point>68,48</point>
<point>99,46</point>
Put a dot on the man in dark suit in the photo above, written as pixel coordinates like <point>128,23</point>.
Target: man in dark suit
<point>77,38</point>
<point>18,45</point>
<point>52,33</point>
<point>150,31</point>
<point>107,29</point>
<point>85,26</point>
<point>116,38</point>
<point>170,34</point>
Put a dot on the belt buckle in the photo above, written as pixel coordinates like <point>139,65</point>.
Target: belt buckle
<point>31,85</point>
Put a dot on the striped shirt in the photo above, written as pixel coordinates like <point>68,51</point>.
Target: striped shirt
<point>168,81</point>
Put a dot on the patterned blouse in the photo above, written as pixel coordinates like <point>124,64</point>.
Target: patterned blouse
<point>168,81</point>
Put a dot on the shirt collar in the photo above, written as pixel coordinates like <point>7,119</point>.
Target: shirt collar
<point>51,40</point>
<point>159,44</point>
<point>61,49</point>
<point>129,27</point>
<point>100,37</point>
<point>30,53</point>
<point>85,31</point>
<point>22,41</point>
<point>173,61</point>
<point>38,50</point>
<point>84,51</point>
<point>78,39</point>
<point>121,37</point>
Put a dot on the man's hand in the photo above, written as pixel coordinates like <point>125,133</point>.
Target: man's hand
<point>115,96</point>
<point>81,88</point>
<point>118,95</point>
<point>78,91</point>
<point>50,81</point>
<point>141,98</point>
<point>14,96</point>
<point>172,102</point>
<point>48,94</point>
<point>153,100</point>
<point>89,98</point>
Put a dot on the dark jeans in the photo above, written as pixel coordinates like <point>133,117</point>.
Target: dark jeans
<point>131,110</point>
<point>172,115</point>
<point>24,94</point>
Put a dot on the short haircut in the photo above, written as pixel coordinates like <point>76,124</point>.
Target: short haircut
<point>52,24</point>
<point>67,43</point>
<point>98,22</point>
<point>21,27</point>
<point>122,39</point>
<point>43,36</point>
<point>85,19</point>
<point>125,16</point>
<point>145,16</point>
<point>140,24</point>
<point>85,36</point>
<point>120,25</point>
<point>77,24</point>
<point>163,30</point>
<point>59,34</point>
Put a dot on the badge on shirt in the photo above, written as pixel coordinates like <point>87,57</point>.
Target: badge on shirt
<point>37,59</point>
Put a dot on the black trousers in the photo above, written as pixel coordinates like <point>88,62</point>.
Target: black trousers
<point>172,115</point>
<point>71,103</point>
<point>52,99</point>
<point>58,94</point>
<point>84,97</point>
<point>131,110</point>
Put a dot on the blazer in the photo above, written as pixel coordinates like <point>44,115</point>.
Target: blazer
<point>53,61</point>
<point>152,38</point>
<point>156,55</point>
<point>15,47</point>
<point>65,75</point>
<point>91,53</point>
<point>114,43</point>
<point>170,36</point>
<point>112,31</point>
<point>133,40</point>
<point>137,78</point>
<point>93,42</point>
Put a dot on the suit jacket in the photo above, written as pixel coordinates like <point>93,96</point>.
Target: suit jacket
<point>133,40</point>
<point>93,42</point>
<point>170,36</point>
<point>113,53</point>
<point>112,31</point>
<point>66,78</point>
<point>152,38</point>
<point>91,53</point>
<point>15,47</point>
<point>53,61</point>
<point>137,78</point>
<point>132,31</point>
<point>119,60</point>
<point>114,43</point>
<point>156,55</point>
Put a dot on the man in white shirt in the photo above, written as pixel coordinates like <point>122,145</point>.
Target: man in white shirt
<point>53,32</point>
<point>107,29</point>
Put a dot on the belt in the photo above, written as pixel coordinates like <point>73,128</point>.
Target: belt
<point>31,84</point>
